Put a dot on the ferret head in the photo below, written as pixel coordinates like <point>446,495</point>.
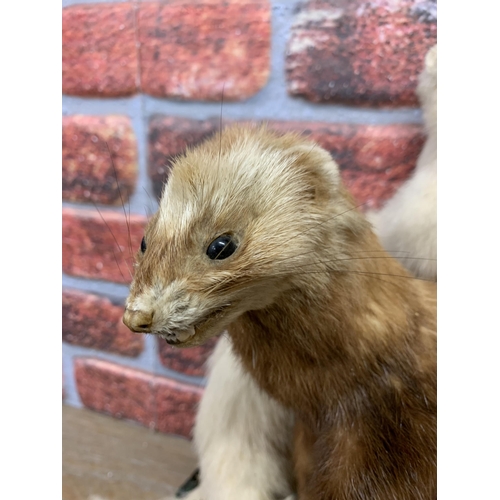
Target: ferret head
<point>238,218</point>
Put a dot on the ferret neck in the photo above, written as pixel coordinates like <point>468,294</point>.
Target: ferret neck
<point>353,325</point>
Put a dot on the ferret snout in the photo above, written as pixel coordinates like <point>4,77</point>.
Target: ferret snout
<point>139,321</point>
<point>170,312</point>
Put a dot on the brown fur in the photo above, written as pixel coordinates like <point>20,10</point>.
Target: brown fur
<point>323,319</point>
<point>361,376</point>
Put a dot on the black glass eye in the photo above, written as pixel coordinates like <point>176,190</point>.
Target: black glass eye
<point>143,245</point>
<point>222,247</point>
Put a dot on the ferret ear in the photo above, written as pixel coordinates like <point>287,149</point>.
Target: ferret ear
<point>321,173</point>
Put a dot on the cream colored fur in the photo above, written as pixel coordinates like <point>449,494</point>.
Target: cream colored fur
<point>241,435</point>
<point>407,224</point>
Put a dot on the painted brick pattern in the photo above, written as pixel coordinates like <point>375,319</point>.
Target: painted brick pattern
<point>360,52</point>
<point>197,50</point>
<point>374,159</point>
<point>117,49</point>
<point>156,402</point>
<point>189,361</point>
<point>100,245</point>
<point>99,159</point>
<point>168,137</point>
<point>93,321</point>
<point>99,56</point>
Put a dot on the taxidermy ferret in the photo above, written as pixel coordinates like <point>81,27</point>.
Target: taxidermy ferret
<point>256,235</point>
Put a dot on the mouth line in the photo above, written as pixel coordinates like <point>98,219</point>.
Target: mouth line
<point>178,337</point>
<point>214,315</point>
<point>171,341</point>
<point>187,334</point>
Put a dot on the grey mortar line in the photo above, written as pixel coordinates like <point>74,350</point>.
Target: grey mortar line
<point>140,362</point>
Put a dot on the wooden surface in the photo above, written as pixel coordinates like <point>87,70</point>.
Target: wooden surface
<point>107,459</point>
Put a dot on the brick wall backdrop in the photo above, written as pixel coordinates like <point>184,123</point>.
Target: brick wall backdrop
<point>143,80</point>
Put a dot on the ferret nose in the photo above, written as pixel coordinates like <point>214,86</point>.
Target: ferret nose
<point>138,321</point>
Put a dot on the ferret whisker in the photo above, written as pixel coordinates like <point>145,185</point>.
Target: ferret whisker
<point>368,273</point>
<point>126,265</point>
<point>129,234</point>
<point>392,252</point>
<point>373,276</point>
<point>149,211</point>
<point>116,242</point>
<point>118,265</point>
<point>356,258</point>
<point>127,221</point>
<point>220,119</point>
<point>221,285</point>
<point>313,146</point>
<point>381,251</point>
<point>236,281</point>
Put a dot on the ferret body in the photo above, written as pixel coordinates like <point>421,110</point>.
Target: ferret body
<point>323,320</point>
<point>359,372</point>
<point>235,415</point>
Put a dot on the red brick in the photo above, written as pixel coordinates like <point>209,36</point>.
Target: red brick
<point>89,246</point>
<point>99,159</point>
<point>93,321</point>
<point>374,159</point>
<point>192,50</point>
<point>157,402</point>
<point>190,361</point>
<point>359,52</point>
<point>99,53</point>
<point>168,137</point>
